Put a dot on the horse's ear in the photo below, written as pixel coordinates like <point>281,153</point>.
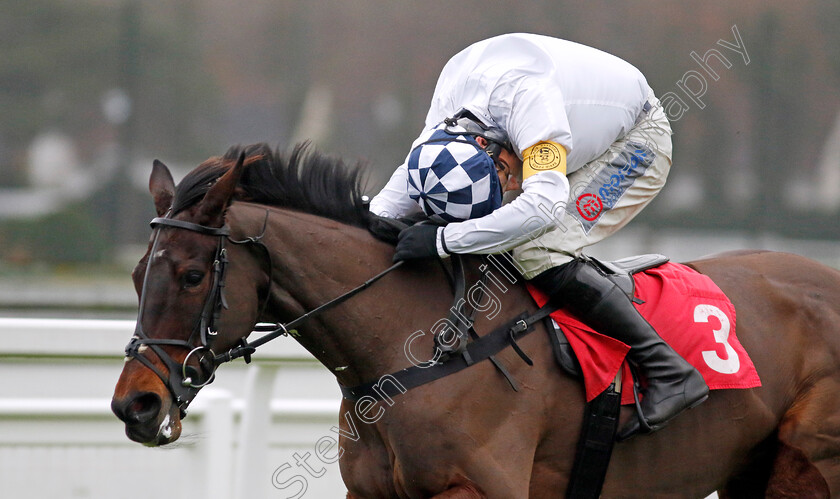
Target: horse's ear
<point>162,187</point>
<point>212,207</point>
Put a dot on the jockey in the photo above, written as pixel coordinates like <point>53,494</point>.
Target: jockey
<point>580,142</point>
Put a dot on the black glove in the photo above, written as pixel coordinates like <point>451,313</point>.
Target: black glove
<point>417,241</point>
<point>386,229</point>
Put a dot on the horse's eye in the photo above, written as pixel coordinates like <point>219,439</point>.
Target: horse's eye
<point>193,278</point>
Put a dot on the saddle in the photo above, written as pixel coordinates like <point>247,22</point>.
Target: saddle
<point>621,273</point>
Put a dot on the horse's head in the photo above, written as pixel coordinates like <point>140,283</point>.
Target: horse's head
<point>181,282</point>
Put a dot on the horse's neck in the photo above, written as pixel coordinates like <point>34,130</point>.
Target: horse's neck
<point>317,259</point>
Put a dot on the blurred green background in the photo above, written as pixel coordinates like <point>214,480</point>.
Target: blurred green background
<point>91,91</point>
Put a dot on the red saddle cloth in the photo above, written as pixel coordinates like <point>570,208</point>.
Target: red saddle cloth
<point>689,312</point>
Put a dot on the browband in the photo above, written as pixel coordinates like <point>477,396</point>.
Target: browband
<point>203,229</point>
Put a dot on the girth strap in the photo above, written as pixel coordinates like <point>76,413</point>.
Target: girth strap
<point>595,444</point>
<point>480,349</point>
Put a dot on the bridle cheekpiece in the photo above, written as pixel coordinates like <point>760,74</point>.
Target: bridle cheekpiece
<point>183,380</point>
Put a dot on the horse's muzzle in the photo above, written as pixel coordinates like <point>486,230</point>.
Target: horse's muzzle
<point>145,420</point>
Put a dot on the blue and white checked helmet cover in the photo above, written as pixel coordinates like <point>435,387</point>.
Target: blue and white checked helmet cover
<point>451,176</point>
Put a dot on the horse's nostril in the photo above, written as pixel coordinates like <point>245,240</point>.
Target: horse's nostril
<point>140,409</point>
<point>136,406</point>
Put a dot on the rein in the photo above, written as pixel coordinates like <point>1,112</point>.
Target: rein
<point>184,382</point>
<point>280,329</point>
<point>601,417</point>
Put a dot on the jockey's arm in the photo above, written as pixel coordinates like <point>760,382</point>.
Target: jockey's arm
<point>514,223</point>
<point>393,201</point>
<point>534,115</point>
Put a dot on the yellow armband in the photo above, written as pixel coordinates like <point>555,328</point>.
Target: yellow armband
<point>542,157</point>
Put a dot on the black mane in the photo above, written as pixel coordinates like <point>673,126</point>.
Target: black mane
<point>303,180</point>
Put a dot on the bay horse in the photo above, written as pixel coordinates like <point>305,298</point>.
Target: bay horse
<point>288,233</point>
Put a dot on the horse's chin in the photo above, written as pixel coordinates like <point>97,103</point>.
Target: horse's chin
<point>166,430</point>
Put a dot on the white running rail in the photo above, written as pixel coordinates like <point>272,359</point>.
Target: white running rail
<point>252,434</point>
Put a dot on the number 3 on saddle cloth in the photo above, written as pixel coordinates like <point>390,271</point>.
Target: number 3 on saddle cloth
<point>689,312</point>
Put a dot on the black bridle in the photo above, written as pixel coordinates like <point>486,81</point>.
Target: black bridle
<point>183,380</point>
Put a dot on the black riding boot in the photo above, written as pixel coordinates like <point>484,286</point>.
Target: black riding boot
<point>673,384</point>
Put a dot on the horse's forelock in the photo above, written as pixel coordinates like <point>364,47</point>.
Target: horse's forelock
<point>196,183</point>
